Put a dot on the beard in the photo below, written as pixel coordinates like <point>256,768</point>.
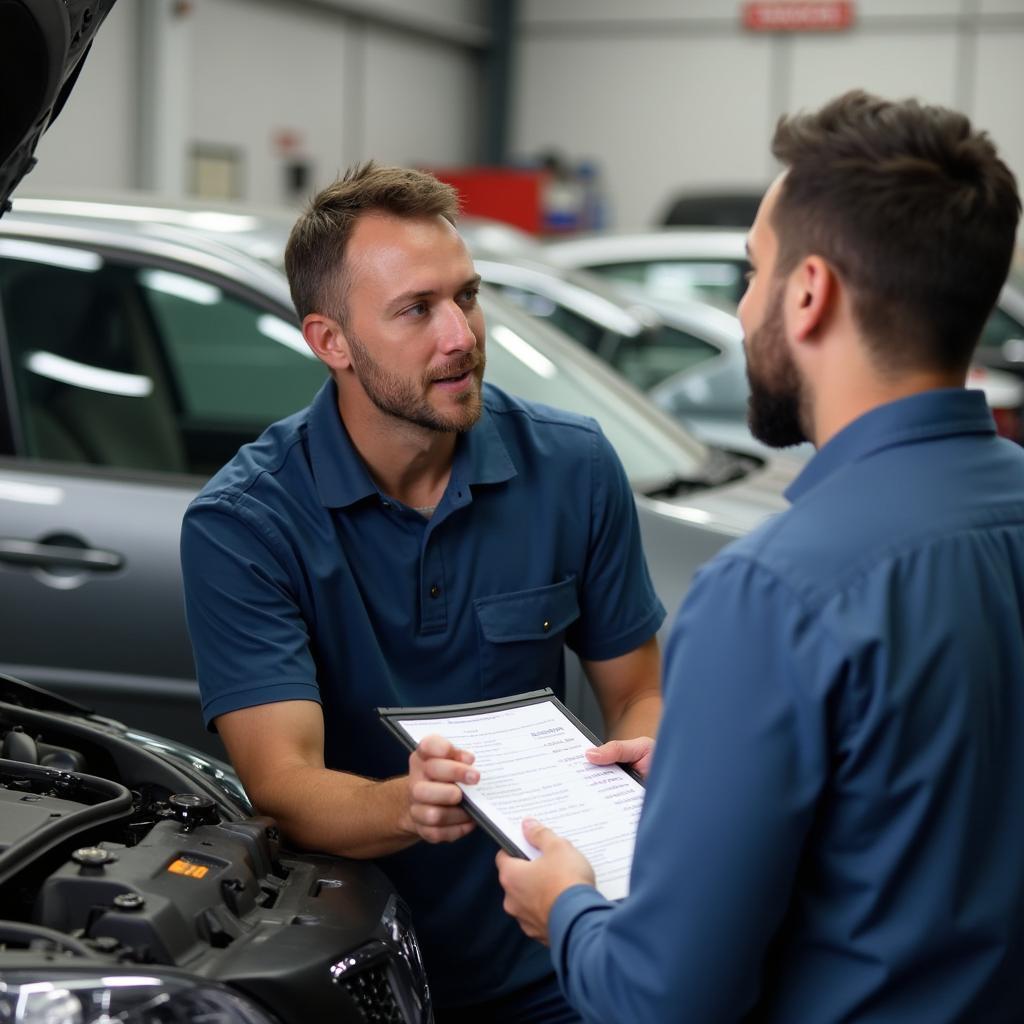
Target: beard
<point>776,402</point>
<point>406,399</point>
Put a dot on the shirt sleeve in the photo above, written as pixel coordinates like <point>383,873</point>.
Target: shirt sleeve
<point>619,608</point>
<point>738,768</point>
<point>250,642</point>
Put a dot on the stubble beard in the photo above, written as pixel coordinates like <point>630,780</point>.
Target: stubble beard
<point>406,400</point>
<point>775,408</point>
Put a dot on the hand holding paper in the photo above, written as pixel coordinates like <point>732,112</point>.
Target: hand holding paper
<point>532,886</point>
<point>635,752</point>
<point>436,768</point>
<point>530,753</point>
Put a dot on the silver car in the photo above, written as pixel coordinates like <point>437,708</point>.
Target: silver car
<point>139,347</point>
<point>709,265</point>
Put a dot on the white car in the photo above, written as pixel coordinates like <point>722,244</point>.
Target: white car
<point>710,264</point>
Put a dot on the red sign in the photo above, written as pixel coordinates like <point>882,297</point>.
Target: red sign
<point>798,16</point>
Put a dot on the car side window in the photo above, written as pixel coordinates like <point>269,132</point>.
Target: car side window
<point>142,368</point>
<point>236,365</point>
<point>585,331</point>
<point>88,376</point>
<point>720,282</point>
<point>650,358</point>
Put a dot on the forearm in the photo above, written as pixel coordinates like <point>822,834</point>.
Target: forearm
<point>320,809</point>
<point>638,717</point>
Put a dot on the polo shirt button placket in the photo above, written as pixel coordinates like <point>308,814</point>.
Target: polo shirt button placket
<point>435,590</point>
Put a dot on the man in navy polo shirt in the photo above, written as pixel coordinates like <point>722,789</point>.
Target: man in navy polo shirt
<point>834,824</point>
<point>414,537</point>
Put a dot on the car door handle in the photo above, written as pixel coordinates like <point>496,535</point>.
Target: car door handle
<point>53,556</point>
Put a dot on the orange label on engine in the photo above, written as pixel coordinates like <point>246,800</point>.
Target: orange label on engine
<point>182,867</point>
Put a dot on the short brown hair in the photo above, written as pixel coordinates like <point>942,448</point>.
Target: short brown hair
<point>915,211</point>
<point>315,254</point>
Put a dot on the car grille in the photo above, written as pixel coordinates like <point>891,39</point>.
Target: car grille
<point>370,990</point>
<point>384,979</point>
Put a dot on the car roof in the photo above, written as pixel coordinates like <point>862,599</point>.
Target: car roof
<point>236,243</point>
<point>668,243</point>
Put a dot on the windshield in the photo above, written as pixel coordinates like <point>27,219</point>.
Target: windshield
<point>533,360</point>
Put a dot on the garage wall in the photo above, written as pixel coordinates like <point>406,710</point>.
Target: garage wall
<point>663,94</point>
<point>667,95</point>
<point>421,102</point>
<point>259,75</point>
<point>265,84</point>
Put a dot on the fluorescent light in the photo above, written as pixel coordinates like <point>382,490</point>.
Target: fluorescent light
<point>93,378</point>
<point>276,329</point>
<point>54,255</point>
<point>182,287</point>
<point>523,351</point>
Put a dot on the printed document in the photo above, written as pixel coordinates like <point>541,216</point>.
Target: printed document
<point>532,765</point>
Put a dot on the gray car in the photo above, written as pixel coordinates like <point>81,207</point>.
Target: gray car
<point>138,350</point>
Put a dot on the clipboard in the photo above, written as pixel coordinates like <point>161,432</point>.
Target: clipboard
<point>392,719</point>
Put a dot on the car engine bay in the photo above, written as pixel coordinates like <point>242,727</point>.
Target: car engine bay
<point>137,884</point>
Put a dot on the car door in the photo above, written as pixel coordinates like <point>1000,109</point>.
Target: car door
<point>127,381</point>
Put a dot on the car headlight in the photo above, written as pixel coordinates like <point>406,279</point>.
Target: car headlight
<point>72,998</point>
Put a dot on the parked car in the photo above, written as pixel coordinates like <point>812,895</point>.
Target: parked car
<point>735,208</point>
<point>137,884</point>
<point>138,350</point>
<point>713,401</point>
<point>710,265</point>
<point>686,355</point>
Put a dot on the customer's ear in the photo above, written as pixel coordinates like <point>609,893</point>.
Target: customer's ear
<point>811,294</point>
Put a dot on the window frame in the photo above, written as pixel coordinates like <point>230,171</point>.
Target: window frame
<point>133,259</point>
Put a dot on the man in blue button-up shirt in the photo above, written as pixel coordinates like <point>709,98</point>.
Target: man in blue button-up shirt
<point>414,537</point>
<point>834,826</point>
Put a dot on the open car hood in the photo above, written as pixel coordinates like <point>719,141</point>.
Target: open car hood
<point>43,44</point>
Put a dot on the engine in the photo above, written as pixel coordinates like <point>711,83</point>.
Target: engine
<point>135,880</point>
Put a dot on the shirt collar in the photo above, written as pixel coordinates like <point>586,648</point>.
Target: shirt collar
<point>342,478</point>
<point>480,455</point>
<point>944,412</point>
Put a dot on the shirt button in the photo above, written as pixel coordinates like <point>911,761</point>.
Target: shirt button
<point>435,590</point>
<point>546,626</point>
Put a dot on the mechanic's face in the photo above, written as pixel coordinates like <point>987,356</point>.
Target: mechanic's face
<point>777,393</point>
<point>414,328</point>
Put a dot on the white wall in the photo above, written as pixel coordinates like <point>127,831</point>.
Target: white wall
<point>376,78</point>
<point>258,71</point>
<point>421,102</point>
<point>673,94</point>
<point>664,94</point>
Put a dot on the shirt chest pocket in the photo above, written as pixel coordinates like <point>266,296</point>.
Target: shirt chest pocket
<point>522,636</point>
